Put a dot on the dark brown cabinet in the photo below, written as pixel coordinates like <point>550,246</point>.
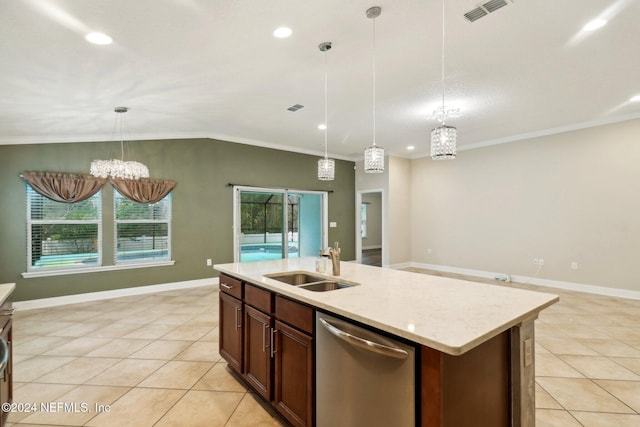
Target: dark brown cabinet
<point>294,385</point>
<point>294,375</point>
<point>257,343</point>
<point>276,351</point>
<point>231,330</point>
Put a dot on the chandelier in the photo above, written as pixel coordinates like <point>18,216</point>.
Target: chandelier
<point>374,155</point>
<point>443,138</point>
<point>115,168</point>
<point>326,166</point>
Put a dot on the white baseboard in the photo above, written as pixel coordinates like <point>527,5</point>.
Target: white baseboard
<point>364,248</point>
<point>116,293</point>
<point>580,287</point>
<point>570,286</point>
<point>400,265</point>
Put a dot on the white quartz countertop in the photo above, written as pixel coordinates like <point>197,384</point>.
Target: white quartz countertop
<point>6,289</point>
<point>449,315</point>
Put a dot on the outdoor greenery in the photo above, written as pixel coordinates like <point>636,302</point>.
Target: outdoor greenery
<point>261,213</point>
<point>60,225</point>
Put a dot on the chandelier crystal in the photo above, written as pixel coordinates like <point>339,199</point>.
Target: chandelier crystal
<point>374,155</point>
<point>326,169</point>
<point>115,168</point>
<point>374,159</point>
<point>443,142</point>
<point>326,166</point>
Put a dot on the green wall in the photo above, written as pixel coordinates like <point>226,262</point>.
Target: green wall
<point>202,217</point>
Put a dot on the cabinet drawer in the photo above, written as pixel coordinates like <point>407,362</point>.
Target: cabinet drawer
<point>231,286</point>
<point>258,298</point>
<point>295,314</point>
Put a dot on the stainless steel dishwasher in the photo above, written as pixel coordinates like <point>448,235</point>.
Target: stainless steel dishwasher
<point>362,377</point>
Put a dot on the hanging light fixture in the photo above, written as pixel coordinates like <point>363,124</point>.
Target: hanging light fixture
<point>374,155</point>
<point>115,168</point>
<point>443,138</point>
<point>326,166</point>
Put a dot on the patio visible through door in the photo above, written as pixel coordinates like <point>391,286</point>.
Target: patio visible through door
<point>274,224</point>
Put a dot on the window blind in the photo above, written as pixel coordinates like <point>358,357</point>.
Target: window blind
<point>63,235</point>
<point>142,230</point>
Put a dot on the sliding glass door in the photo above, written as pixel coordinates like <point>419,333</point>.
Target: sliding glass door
<point>274,224</point>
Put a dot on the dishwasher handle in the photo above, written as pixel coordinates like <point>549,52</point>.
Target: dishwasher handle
<point>366,344</point>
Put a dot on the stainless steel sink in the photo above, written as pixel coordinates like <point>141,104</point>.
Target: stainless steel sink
<point>296,278</point>
<point>325,286</point>
<point>310,282</point>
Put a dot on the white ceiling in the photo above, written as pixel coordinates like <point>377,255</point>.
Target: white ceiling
<point>211,68</point>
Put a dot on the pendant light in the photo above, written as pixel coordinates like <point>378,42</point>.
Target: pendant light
<point>115,168</point>
<point>374,155</point>
<point>326,166</point>
<point>443,138</point>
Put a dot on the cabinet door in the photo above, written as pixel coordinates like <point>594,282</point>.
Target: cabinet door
<point>257,350</point>
<point>294,375</point>
<point>231,330</point>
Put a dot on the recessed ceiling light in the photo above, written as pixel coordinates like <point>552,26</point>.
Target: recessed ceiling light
<point>282,32</point>
<point>98,38</point>
<point>595,24</point>
<point>411,147</point>
<point>322,126</point>
<point>635,98</point>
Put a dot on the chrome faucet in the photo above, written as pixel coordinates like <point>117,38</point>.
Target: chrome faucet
<point>334,254</point>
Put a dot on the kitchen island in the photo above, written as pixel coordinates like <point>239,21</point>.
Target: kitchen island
<point>476,341</point>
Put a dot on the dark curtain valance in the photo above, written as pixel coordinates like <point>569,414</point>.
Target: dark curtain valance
<point>143,190</point>
<point>64,187</point>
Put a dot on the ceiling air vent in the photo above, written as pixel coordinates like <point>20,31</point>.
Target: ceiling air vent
<point>475,14</point>
<point>295,107</point>
<point>494,5</point>
<point>484,10</point>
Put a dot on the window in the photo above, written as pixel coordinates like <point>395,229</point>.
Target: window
<point>142,230</point>
<point>63,235</point>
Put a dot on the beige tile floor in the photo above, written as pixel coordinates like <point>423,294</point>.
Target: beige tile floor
<point>152,360</point>
<point>147,360</point>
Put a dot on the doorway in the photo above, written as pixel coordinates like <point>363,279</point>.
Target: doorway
<point>370,219</point>
<point>278,223</point>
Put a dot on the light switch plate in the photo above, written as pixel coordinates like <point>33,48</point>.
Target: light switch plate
<point>333,224</point>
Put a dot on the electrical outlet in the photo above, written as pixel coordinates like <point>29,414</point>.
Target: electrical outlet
<point>502,277</point>
<point>541,261</point>
<point>209,262</point>
<point>536,261</point>
<point>574,265</point>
